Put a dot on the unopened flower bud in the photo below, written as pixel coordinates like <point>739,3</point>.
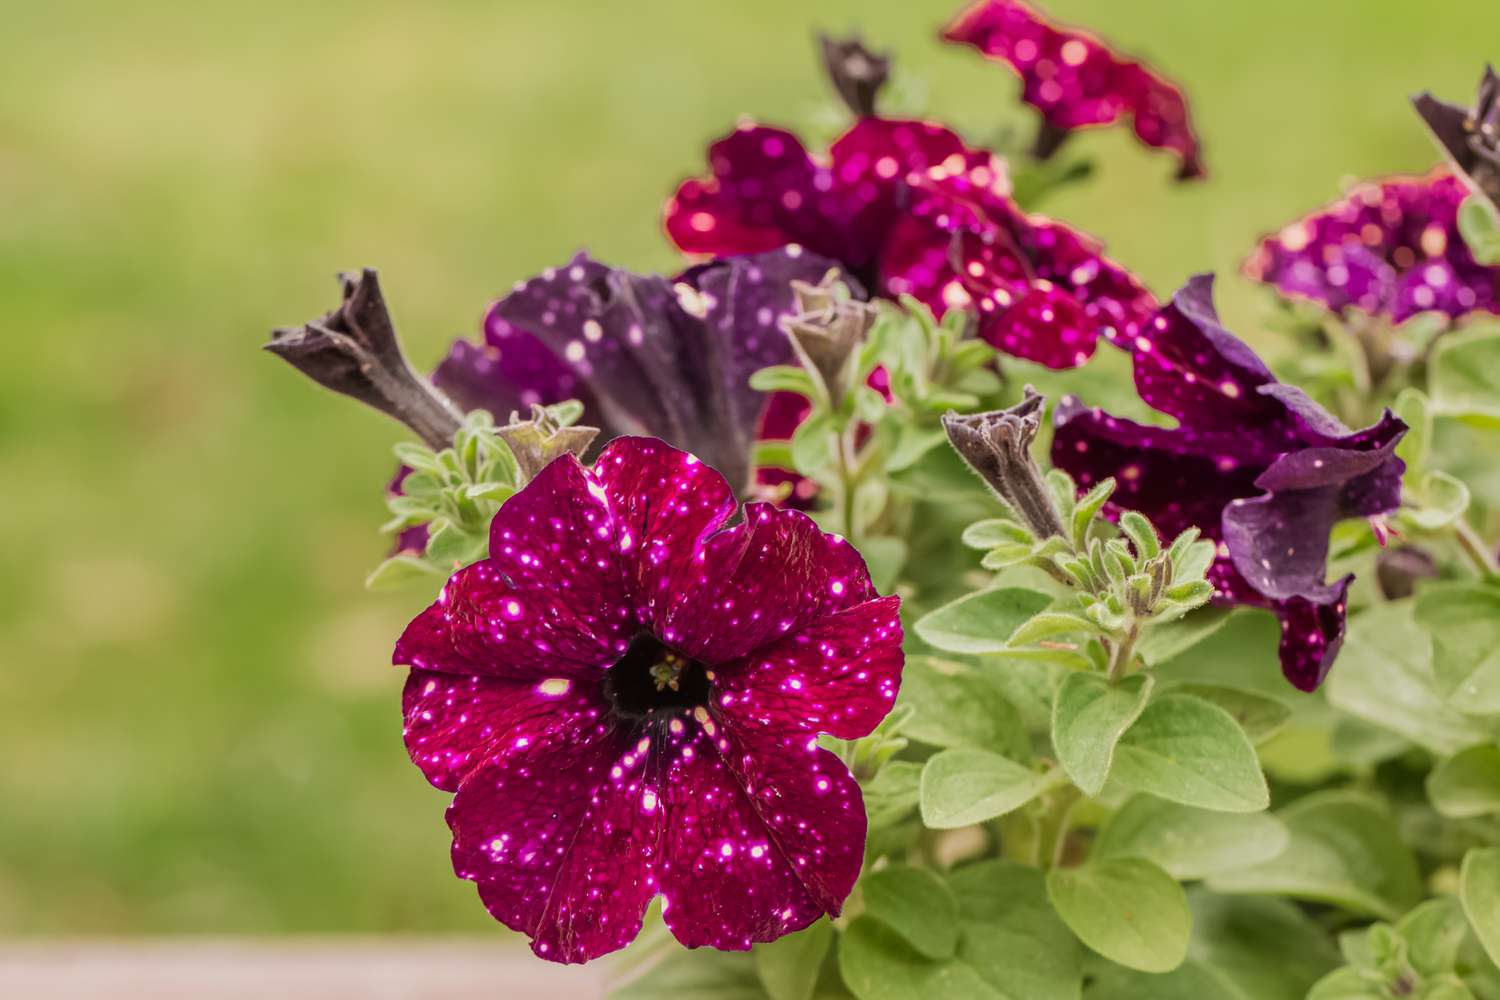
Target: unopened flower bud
<point>857,73</point>
<point>354,350</point>
<point>535,442</point>
<point>997,445</point>
<point>1398,570</point>
<point>1470,136</point>
<point>826,330</point>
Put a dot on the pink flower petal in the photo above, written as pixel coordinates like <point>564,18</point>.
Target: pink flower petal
<point>839,675</point>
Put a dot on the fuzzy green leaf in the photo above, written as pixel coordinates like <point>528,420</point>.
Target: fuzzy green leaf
<point>1467,784</point>
<point>1479,891</point>
<point>964,787</point>
<point>1189,843</point>
<point>915,903</point>
<point>981,622</point>
<point>789,967</point>
<point>1188,750</point>
<point>1089,716</point>
<point>1126,909</point>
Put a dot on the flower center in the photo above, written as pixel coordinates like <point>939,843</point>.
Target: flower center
<point>652,677</point>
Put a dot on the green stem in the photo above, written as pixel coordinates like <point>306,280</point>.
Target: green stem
<point>1122,653</point>
<point>848,480</point>
<point>1474,547</point>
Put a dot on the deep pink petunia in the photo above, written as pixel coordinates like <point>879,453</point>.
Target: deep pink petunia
<point>1390,248</point>
<point>626,698</point>
<point>909,209</point>
<point>1076,81</point>
<point>1253,463</point>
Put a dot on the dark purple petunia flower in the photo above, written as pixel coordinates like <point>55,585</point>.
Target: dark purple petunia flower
<point>1253,463</point>
<point>1076,81</point>
<point>1390,248</point>
<point>889,205</point>
<point>626,697</point>
<point>665,357</point>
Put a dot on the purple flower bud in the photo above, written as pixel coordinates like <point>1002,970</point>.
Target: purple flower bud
<point>354,350</point>
<point>1470,136</point>
<point>857,73</point>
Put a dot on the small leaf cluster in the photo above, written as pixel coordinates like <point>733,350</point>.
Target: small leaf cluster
<point>453,493</point>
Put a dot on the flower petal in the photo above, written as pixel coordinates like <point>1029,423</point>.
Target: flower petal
<point>562,835</point>
<point>454,723</point>
<point>765,834</point>
<point>549,601</point>
<point>1389,247</point>
<point>840,675</point>
<point>1312,632</point>
<point>663,503</point>
<point>772,574</point>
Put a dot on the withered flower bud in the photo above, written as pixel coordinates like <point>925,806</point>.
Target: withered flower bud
<point>538,440</point>
<point>354,350</point>
<point>1398,570</point>
<point>997,445</point>
<point>1470,136</point>
<point>857,73</point>
<point>826,330</point>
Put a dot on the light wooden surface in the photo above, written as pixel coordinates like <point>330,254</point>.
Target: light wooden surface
<point>353,968</point>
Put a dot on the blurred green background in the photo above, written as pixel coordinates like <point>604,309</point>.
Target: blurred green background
<point>199,729</point>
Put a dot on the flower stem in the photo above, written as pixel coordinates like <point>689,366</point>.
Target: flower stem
<point>1122,653</point>
<point>1475,549</point>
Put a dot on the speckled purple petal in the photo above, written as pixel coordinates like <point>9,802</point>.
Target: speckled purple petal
<point>765,834</point>
<point>1254,464</point>
<point>562,836</point>
<point>1390,248</point>
<point>1075,80</point>
<point>456,722</point>
<point>550,600</point>
<point>839,675</point>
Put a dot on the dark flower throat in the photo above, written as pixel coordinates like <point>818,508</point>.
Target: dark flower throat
<point>653,678</point>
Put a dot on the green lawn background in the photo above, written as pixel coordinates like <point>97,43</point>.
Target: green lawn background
<point>199,731</point>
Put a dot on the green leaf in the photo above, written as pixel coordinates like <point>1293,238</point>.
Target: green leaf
<point>1242,948</point>
<point>1479,892</point>
<point>1464,621</point>
<point>981,622</point>
<point>1141,533</point>
<point>1464,376</point>
<point>1480,229</point>
<point>1189,843</point>
<point>775,454</point>
<point>1434,932</point>
<point>957,705</point>
<point>399,570</point>
<point>1126,909</point>
<point>995,531</point>
<point>1260,717</point>
<point>1415,448</point>
<point>1166,640</point>
<point>964,787</point>
<point>1087,507</point>
<point>450,545</point>
<point>884,557</point>
<point>892,794</point>
<point>417,457</point>
<point>1442,501</point>
<point>1049,624</point>
<point>1344,850</point>
<point>912,442</point>
<point>813,442</point>
<point>917,904</point>
<point>1089,716</point>
<point>784,378</point>
<point>789,966</point>
<point>1467,784</point>
<point>1011,946</point>
<point>1385,676</point>
<point>1188,750</point>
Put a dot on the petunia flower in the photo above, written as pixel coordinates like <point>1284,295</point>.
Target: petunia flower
<point>1255,464</point>
<point>1390,248</point>
<point>1077,81</point>
<point>626,698</point>
<point>909,209</point>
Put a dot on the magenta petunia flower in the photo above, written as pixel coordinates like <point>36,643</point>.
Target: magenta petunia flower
<point>1253,463</point>
<point>893,205</point>
<point>1042,291</point>
<point>1076,81</point>
<point>626,697</point>
<point>1390,248</point>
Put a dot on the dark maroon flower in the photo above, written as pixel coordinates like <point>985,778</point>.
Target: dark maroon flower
<point>1076,81</point>
<point>669,358</point>
<point>1390,248</point>
<point>1042,291</point>
<point>1253,463</point>
<point>626,697</point>
<point>1469,136</point>
<point>894,203</point>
